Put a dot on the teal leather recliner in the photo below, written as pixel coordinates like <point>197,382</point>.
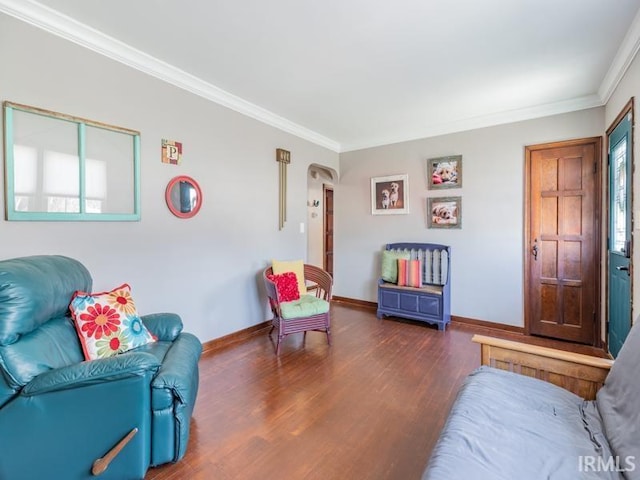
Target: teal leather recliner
<point>60,413</point>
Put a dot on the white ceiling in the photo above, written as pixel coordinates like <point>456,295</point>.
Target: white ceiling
<point>350,74</point>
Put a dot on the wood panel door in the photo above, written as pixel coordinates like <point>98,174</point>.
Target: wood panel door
<point>328,229</point>
<point>562,268</point>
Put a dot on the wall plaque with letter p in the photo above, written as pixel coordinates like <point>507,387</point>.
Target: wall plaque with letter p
<point>171,152</point>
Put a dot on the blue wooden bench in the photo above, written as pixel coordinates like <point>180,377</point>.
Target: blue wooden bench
<point>430,303</point>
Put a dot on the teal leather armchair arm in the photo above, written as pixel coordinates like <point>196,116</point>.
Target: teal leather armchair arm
<point>173,397</point>
<point>165,326</point>
<point>87,373</point>
<point>60,413</point>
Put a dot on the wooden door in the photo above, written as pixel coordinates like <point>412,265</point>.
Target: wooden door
<point>328,229</point>
<point>562,271</point>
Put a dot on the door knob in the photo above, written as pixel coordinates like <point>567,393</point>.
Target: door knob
<point>534,249</point>
<point>622,268</point>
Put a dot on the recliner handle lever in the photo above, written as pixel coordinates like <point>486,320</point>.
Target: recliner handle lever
<point>102,463</point>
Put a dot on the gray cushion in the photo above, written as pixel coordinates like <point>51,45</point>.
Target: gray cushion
<point>505,426</point>
<point>619,403</point>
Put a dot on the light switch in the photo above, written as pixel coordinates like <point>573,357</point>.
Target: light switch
<point>301,227</point>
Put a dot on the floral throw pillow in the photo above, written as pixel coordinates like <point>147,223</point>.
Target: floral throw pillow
<point>286,285</point>
<point>108,322</point>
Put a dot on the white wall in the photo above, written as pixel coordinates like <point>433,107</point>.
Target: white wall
<point>629,87</point>
<point>205,268</point>
<point>487,253</point>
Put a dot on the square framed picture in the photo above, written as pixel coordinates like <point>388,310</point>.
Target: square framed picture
<point>444,172</point>
<point>171,152</point>
<point>444,212</point>
<point>390,195</point>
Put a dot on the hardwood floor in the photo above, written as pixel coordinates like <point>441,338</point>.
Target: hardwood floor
<point>369,407</point>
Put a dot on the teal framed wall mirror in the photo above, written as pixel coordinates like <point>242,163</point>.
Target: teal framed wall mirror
<point>64,168</point>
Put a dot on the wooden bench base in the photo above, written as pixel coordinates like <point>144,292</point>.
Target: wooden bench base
<point>580,374</point>
<point>422,304</point>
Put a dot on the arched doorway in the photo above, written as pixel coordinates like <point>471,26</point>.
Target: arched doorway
<point>320,210</point>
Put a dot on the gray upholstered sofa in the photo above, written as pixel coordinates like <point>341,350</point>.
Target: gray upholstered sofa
<point>505,425</point>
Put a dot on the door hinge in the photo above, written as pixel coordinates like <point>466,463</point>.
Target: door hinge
<point>608,159</point>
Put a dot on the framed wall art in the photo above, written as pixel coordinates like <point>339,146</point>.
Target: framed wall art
<point>61,167</point>
<point>390,195</point>
<point>444,172</point>
<point>444,212</point>
<point>171,152</point>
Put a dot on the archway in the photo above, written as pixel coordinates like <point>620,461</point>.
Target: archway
<point>321,183</point>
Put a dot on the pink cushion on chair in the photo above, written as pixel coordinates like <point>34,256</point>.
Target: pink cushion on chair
<point>286,285</point>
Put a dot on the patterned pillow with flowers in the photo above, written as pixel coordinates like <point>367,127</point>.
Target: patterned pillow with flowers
<point>108,322</point>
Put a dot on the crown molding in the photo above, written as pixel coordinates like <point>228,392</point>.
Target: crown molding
<point>625,55</point>
<point>499,118</point>
<point>65,27</point>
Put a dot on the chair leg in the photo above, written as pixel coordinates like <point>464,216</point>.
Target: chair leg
<point>329,335</point>
<point>280,337</point>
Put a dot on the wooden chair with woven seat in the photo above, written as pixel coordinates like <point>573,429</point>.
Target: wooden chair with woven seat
<point>309,313</point>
